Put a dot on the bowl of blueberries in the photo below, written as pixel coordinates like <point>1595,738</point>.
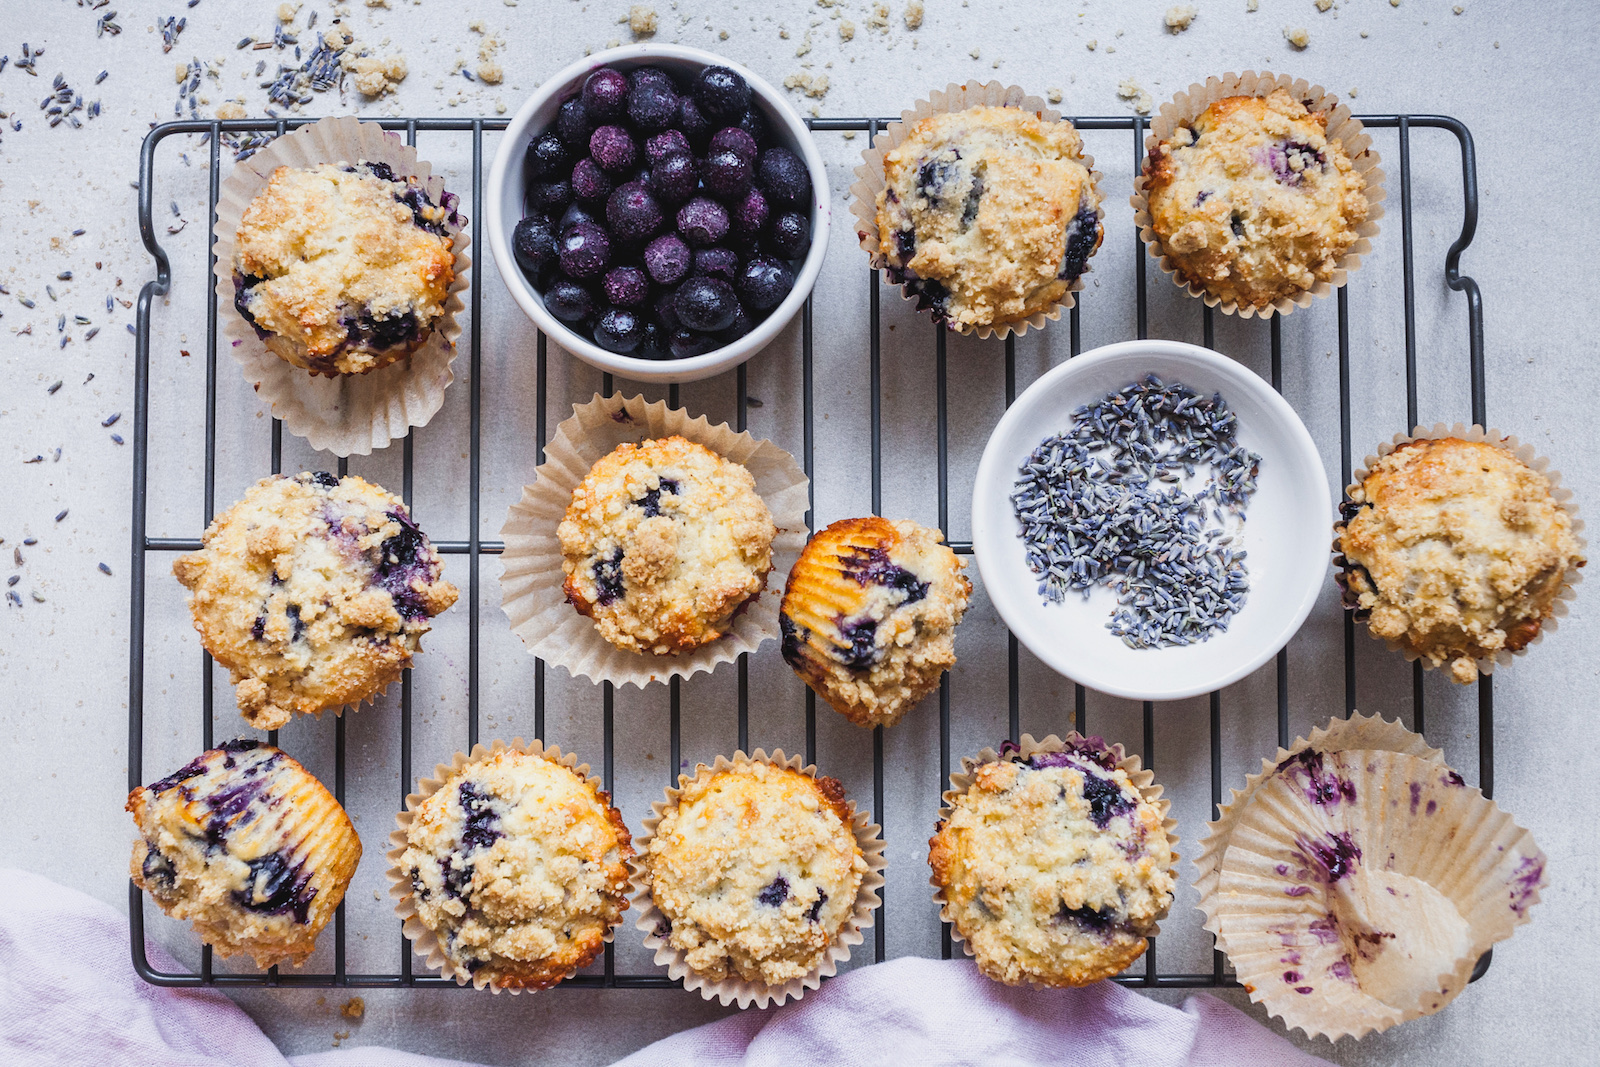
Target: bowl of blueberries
<point>659,211</point>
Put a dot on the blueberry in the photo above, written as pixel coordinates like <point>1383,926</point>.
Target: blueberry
<point>568,301</point>
<point>633,213</point>
<point>613,149</point>
<point>627,286</point>
<point>721,93</point>
<point>752,123</point>
<point>741,325</point>
<point>533,242</point>
<point>1105,799</point>
<point>619,330</point>
<point>684,343</point>
<point>590,184</point>
<point>605,95</point>
<point>549,197</point>
<point>716,263</point>
<point>764,282</point>
<point>653,76</point>
<point>705,304</point>
<point>693,122</point>
<point>1083,237</point>
<point>736,139</point>
<point>776,893</point>
<point>651,104</point>
<point>661,145</point>
<point>326,479</point>
<point>783,177</point>
<point>664,313</point>
<point>789,236</point>
<point>654,344</point>
<point>585,250</point>
<point>674,178</point>
<point>574,214</point>
<point>274,886</point>
<point>863,637</point>
<point>750,214</point>
<point>547,157</point>
<point>573,125</point>
<point>702,222</point>
<point>727,174</point>
<point>607,572</point>
<point>481,826</point>
<point>667,259</point>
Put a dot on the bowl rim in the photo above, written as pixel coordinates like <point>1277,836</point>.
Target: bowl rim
<point>504,169</point>
<point>990,538</point>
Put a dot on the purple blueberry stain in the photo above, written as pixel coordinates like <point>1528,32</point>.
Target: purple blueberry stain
<point>774,894</point>
<point>402,559</point>
<point>858,647</point>
<point>1322,786</point>
<point>871,566</point>
<point>1105,798</point>
<point>815,912</point>
<point>1297,891</point>
<point>1431,807</point>
<point>275,886</point>
<point>651,500</point>
<point>1525,883</point>
<point>1332,859</point>
<point>1416,796</point>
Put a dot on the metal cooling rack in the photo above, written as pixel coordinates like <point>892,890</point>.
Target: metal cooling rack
<point>475,547</point>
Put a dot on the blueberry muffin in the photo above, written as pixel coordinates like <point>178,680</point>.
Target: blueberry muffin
<point>1456,550</point>
<point>663,543</point>
<point>756,871</point>
<point>518,866</point>
<point>988,215</point>
<point>249,847</point>
<point>1252,201</point>
<point>314,591</point>
<point>342,270</point>
<point>869,616</point>
<point>1054,869</point>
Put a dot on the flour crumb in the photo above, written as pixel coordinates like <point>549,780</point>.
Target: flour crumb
<point>1252,6</point>
<point>1458,9</point>
<point>1298,37</point>
<point>974,54</point>
<point>354,1008</point>
<point>642,20</point>
<point>1054,96</point>
<point>805,45</point>
<point>1179,17</point>
<point>1132,91</point>
<point>1324,6</point>
<point>847,30</point>
<point>913,16</point>
<point>1092,43</point>
<point>813,85</point>
<point>879,19</point>
<point>375,75</point>
<point>1354,92</point>
<point>230,110</point>
<point>287,12</point>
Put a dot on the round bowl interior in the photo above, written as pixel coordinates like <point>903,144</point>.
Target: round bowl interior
<point>1287,526</point>
<point>504,199</point>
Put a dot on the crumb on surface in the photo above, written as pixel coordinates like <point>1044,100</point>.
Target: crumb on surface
<point>1354,92</point>
<point>1252,5</point>
<point>1132,91</point>
<point>354,1008</point>
<point>1298,37</point>
<point>814,85</point>
<point>286,12</point>
<point>642,20</point>
<point>1181,15</point>
<point>1092,43</point>
<point>879,19</point>
<point>914,13</point>
<point>1458,9</point>
<point>974,53</point>
<point>1054,96</point>
<point>230,109</point>
<point>375,75</point>
<point>1324,5</point>
<point>847,30</point>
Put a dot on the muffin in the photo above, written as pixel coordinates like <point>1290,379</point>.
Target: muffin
<point>869,616</point>
<point>1053,867</point>
<point>1252,202</point>
<point>314,591</point>
<point>1455,550</point>
<point>987,215</point>
<point>517,867</point>
<point>249,847</point>
<point>662,543</point>
<point>755,870</point>
<point>341,269</point>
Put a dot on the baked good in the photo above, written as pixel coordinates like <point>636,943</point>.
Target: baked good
<point>517,864</point>
<point>755,870</point>
<point>1055,867</point>
<point>314,591</point>
<point>662,543</point>
<point>869,616</point>
<point>1252,202</point>
<point>249,847</point>
<point>344,269</point>
<point>988,215</point>
<point>1455,550</point>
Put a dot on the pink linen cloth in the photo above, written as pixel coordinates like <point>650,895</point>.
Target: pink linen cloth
<point>69,998</point>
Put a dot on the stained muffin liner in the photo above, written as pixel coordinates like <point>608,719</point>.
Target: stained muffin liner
<point>1437,883</point>
<point>350,414</point>
<point>531,575</point>
<point>424,942</point>
<point>1342,127</point>
<point>871,181</point>
<point>1560,494</point>
<point>960,781</point>
<point>728,990</point>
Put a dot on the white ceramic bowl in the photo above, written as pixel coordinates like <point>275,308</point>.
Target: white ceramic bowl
<point>1287,526</point>
<point>504,193</point>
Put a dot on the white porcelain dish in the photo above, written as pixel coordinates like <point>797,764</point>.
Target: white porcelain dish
<point>1286,528</point>
<point>504,193</point>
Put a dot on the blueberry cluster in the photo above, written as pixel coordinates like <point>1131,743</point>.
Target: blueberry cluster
<point>662,222</point>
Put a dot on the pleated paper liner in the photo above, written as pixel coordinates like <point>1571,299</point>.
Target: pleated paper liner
<point>730,990</point>
<point>870,181</point>
<point>350,414</point>
<point>1342,127</point>
<point>531,573</point>
<point>424,942</point>
<point>1562,496</point>
<point>960,781</point>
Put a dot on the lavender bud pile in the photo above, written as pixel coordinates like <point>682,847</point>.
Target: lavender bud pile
<point>1105,503</point>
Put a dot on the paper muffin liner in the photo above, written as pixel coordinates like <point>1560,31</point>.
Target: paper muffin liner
<point>424,942</point>
<point>531,574</point>
<point>1560,494</point>
<point>350,414</point>
<point>728,990</point>
<point>1368,898</point>
<point>960,781</point>
<point>871,181</point>
<point>1342,127</point>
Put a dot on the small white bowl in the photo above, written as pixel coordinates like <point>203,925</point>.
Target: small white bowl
<point>506,188</point>
<point>1286,528</point>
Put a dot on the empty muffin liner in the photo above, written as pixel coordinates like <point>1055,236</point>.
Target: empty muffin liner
<point>531,574</point>
<point>960,781</point>
<point>1358,889</point>
<point>424,942</point>
<point>1559,493</point>
<point>871,181</point>
<point>728,990</point>
<point>1342,127</point>
<point>350,414</point>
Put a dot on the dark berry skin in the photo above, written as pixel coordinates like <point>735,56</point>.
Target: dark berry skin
<point>684,343</point>
<point>665,313</point>
<point>738,140</point>
<point>627,286</point>
<point>605,95</point>
<point>693,122</point>
<point>547,157</point>
<point>585,250</point>
<point>654,344</point>
<point>752,123</point>
<point>651,76</point>
<point>784,178</point>
<point>613,149</point>
<point>705,304</point>
<point>727,174</point>
<point>764,282</point>
<point>789,237</point>
<point>749,215</point>
<point>633,213</point>
<point>721,93</point>
<point>590,184</point>
<point>702,222</point>
<point>618,330</point>
<point>717,263</point>
<point>661,145</point>
<point>574,214</point>
<point>533,242</point>
<point>651,105</point>
<point>741,325</point>
<point>568,301</point>
<point>667,259</point>
<point>573,125</point>
<point>549,197</point>
<point>674,178</point>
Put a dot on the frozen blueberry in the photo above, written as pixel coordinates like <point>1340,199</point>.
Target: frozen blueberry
<point>783,178</point>
<point>705,304</point>
<point>652,76</point>
<point>727,174</point>
<point>633,213</point>
<point>573,125</point>
<point>652,104</point>
<point>736,139</point>
<point>568,301</point>
<point>664,313</point>
<point>590,184</point>
<point>721,93</point>
<point>789,236</point>
<point>585,250</point>
<point>752,123</point>
<point>741,325</point>
<point>659,146</point>
<point>575,214</point>
<point>702,222</point>
<point>674,178</point>
<point>682,343</point>
<point>667,259</point>
<point>533,242</point>
<point>654,343</point>
<point>693,122</point>
<point>605,95</point>
<point>549,197</point>
<point>749,214</point>
<point>618,330</point>
<point>547,156</point>
<point>717,263</point>
<point>763,282</point>
<point>627,286</point>
<point>613,149</point>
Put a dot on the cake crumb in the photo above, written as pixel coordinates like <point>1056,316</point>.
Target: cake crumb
<point>1054,96</point>
<point>354,1008</point>
<point>1130,90</point>
<point>1458,9</point>
<point>1252,6</point>
<point>1110,48</point>
<point>879,19</point>
<point>813,85</point>
<point>805,45</point>
<point>375,75</point>
<point>847,30</point>
<point>974,54</point>
<point>1180,16</point>
<point>1324,6</point>
<point>642,20</point>
<point>1092,42</point>
<point>230,110</point>
<point>1363,34</point>
<point>287,12</point>
<point>1394,3</point>
<point>1298,37</point>
<point>913,16</point>
<point>1354,92</point>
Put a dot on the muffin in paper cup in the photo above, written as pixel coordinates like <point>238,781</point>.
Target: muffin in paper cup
<point>350,414</point>
<point>481,822</point>
<point>531,579</point>
<point>871,181</point>
<point>1342,127</point>
<point>1356,888</point>
<point>1465,668</point>
<point>868,865</point>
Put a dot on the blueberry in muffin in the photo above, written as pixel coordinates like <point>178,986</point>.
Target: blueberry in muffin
<point>249,847</point>
<point>662,543</point>
<point>344,269</point>
<point>314,592</point>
